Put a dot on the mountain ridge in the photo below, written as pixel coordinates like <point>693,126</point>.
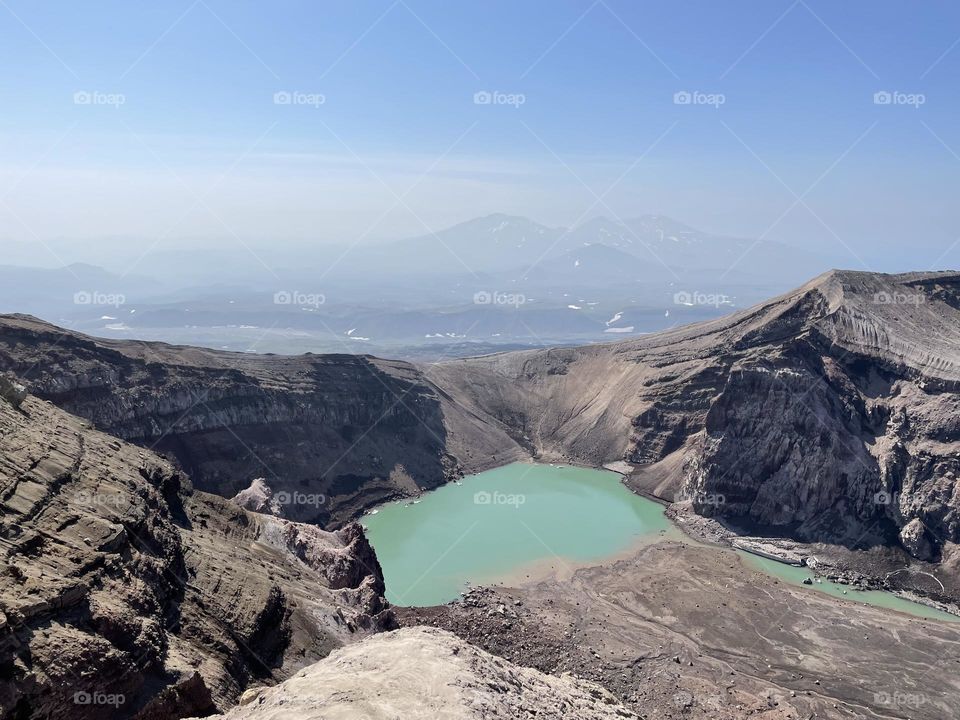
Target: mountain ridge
<point>799,411</point>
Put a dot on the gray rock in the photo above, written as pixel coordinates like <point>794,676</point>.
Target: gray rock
<point>916,540</point>
<point>12,391</point>
<point>104,543</point>
<point>422,673</point>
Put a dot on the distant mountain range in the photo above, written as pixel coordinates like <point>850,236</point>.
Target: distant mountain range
<point>651,247</point>
<point>494,281</point>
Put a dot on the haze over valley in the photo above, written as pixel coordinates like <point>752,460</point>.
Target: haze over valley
<point>493,283</point>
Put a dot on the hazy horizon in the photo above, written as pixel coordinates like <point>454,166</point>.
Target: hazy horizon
<point>201,125</point>
<point>329,178</point>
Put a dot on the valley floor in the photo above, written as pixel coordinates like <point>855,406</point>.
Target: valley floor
<point>687,631</point>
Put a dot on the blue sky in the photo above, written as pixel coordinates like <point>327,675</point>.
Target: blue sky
<point>199,150</point>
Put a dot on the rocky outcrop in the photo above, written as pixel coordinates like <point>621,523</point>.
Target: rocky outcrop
<point>423,674</point>
<point>12,391</point>
<point>916,540</point>
<point>332,434</point>
<point>124,593</point>
<point>831,413</point>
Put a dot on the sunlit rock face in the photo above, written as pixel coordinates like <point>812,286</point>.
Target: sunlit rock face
<point>125,593</point>
<point>826,414</point>
<point>423,673</point>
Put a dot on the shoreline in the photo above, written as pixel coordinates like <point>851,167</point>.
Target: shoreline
<point>686,527</point>
<point>721,536</point>
<point>538,570</point>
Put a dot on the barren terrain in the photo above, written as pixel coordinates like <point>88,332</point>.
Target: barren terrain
<point>683,631</point>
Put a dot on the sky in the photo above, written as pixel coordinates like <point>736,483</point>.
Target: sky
<point>206,121</point>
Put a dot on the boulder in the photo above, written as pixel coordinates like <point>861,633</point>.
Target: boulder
<point>12,391</point>
<point>916,540</point>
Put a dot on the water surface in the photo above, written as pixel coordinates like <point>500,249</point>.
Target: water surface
<point>498,522</point>
<point>796,575</point>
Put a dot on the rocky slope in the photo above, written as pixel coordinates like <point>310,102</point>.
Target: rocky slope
<point>329,435</point>
<point>831,413</point>
<point>124,593</point>
<point>426,674</point>
<point>692,632</point>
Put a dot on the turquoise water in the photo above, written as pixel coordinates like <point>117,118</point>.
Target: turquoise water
<point>500,523</point>
<point>796,575</point>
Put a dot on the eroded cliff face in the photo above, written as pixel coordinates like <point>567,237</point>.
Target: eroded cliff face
<point>850,429</point>
<point>331,435</point>
<point>828,414</point>
<point>124,593</point>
